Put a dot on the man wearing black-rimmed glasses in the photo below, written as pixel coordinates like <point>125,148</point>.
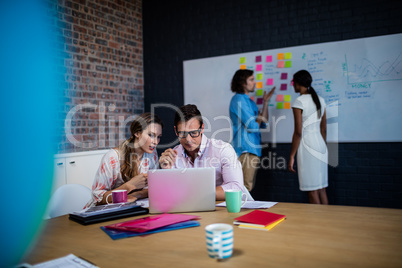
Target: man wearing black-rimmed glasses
<point>196,150</point>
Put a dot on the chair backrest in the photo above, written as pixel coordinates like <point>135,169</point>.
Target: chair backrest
<point>68,198</point>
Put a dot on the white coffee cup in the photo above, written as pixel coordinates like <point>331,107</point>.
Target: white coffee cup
<point>219,238</point>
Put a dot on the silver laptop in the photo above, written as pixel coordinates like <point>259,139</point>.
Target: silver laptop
<point>181,190</point>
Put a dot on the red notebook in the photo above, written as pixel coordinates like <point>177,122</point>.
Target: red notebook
<point>259,217</point>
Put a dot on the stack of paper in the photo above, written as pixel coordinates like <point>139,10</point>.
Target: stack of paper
<point>259,220</point>
<point>150,225</point>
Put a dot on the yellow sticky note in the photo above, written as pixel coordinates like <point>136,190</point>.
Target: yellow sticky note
<point>280,56</point>
<point>259,84</point>
<point>288,56</point>
<point>243,67</point>
<point>259,77</point>
<point>260,92</point>
<point>288,98</point>
<point>242,60</point>
<point>287,105</point>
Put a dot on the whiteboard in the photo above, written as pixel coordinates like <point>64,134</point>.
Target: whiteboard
<point>359,79</point>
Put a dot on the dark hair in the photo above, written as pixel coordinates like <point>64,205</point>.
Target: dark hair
<point>129,168</point>
<point>304,79</point>
<point>186,112</point>
<point>239,80</point>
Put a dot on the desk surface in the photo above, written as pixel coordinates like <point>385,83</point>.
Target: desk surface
<point>311,236</point>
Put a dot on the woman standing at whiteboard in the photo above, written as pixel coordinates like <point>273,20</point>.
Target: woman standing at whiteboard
<point>309,139</point>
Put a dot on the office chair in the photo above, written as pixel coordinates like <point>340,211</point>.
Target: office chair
<point>66,199</point>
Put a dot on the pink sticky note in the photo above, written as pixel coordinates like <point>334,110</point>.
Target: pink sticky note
<point>259,100</point>
<point>258,59</point>
<point>252,98</point>
<point>258,67</point>
<point>281,64</point>
<point>269,58</point>
<point>279,98</point>
<point>284,86</point>
<point>284,76</point>
<point>270,82</point>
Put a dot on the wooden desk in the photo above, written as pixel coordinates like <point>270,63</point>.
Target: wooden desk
<point>311,236</point>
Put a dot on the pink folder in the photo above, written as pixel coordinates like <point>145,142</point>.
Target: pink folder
<point>150,223</point>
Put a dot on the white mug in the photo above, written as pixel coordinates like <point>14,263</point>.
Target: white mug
<point>219,240</point>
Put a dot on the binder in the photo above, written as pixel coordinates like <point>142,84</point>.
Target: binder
<point>116,234</point>
<point>106,215</point>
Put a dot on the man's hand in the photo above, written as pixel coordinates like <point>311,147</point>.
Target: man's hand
<point>267,96</point>
<point>168,158</point>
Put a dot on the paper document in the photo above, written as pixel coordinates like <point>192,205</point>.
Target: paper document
<point>69,261</point>
<point>253,204</point>
<point>143,202</point>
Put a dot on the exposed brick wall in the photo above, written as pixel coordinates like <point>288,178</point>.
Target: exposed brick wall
<point>101,54</point>
<point>174,31</point>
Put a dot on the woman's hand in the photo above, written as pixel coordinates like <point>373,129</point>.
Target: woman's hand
<point>134,196</point>
<point>291,163</point>
<point>131,198</point>
<point>138,182</point>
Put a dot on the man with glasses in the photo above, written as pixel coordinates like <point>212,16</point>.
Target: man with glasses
<point>196,150</point>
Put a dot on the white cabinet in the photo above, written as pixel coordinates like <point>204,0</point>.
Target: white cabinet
<point>76,168</point>
<point>59,173</point>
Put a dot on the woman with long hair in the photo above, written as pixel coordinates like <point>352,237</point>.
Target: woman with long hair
<point>309,139</point>
<point>125,167</point>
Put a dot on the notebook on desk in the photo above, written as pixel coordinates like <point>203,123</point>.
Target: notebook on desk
<point>181,190</point>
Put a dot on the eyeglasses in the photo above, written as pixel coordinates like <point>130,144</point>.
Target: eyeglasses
<point>193,133</point>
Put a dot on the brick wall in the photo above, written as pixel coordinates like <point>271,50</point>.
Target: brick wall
<point>368,173</point>
<point>99,43</point>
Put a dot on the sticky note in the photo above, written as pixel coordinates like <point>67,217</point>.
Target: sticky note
<point>280,56</point>
<point>242,60</point>
<point>279,105</point>
<point>270,82</point>
<point>258,59</point>
<point>259,76</point>
<point>288,56</point>
<point>269,58</point>
<point>279,98</point>
<point>284,76</point>
<point>281,64</point>
<point>252,98</point>
<point>260,92</point>
<point>243,67</point>
<point>288,64</point>
<point>259,101</point>
<point>287,105</point>
<point>258,67</point>
<point>288,98</point>
<point>259,85</point>
<point>284,86</point>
